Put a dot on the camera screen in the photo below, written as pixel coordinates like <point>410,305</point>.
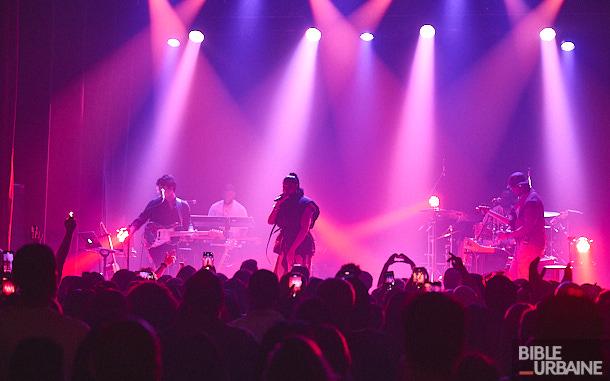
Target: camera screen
<point>418,275</point>
<point>434,287</point>
<point>389,277</point>
<point>295,281</point>
<point>146,275</point>
<point>208,259</point>
<point>7,286</point>
<point>7,256</point>
<point>346,274</point>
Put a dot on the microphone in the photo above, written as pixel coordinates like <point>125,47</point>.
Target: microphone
<point>162,194</point>
<point>278,198</point>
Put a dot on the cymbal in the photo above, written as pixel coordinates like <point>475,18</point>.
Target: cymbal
<point>449,234</point>
<point>451,214</point>
<point>548,214</point>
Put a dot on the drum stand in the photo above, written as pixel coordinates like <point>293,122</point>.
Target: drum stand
<point>558,231</point>
<point>436,269</point>
<point>431,254</point>
<point>432,264</point>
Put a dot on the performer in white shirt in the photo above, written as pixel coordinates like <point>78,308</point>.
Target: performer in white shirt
<point>229,207</point>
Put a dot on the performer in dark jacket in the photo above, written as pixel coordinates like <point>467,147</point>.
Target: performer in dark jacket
<point>527,225</point>
<point>164,212</point>
<point>295,215</point>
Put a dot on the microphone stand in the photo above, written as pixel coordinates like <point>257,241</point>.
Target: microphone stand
<point>127,251</point>
<point>438,180</point>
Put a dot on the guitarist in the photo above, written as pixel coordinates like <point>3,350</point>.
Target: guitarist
<point>527,225</point>
<point>165,211</point>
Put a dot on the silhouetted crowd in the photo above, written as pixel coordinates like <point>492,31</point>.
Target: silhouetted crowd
<point>200,325</point>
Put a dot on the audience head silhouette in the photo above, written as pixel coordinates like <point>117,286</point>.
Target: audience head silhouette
<point>434,327</point>
<point>34,272</point>
<point>203,293</point>
<point>297,358</point>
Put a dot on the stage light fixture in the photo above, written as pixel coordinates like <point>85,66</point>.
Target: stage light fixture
<point>567,46</point>
<point>196,36</point>
<point>427,31</point>
<point>173,42</point>
<point>434,201</point>
<point>313,34</point>
<point>547,34</point>
<point>583,245</point>
<point>366,36</point>
<point>122,234</point>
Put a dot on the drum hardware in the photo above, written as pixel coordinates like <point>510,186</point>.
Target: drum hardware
<point>434,216</point>
<point>559,228</point>
<point>447,214</point>
<point>449,233</point>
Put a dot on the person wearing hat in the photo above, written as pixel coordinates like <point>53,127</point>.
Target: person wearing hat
<point>230,207</point>
<point>526,225</point>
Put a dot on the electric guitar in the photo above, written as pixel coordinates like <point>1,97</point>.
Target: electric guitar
<point>522,241</point>
<point>484,209</point>
<point>156,234</point>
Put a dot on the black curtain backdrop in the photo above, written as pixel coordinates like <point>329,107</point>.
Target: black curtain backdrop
<point>9,43</point>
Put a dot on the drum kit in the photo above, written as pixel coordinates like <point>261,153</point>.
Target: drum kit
<point>558,236</point>
<point>435,216</point>
<point>484,252</point>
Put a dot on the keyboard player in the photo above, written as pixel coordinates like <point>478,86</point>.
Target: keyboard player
<point>230,207</point>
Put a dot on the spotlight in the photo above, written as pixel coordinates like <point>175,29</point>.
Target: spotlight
<point>427,31</point>
<point>173,42</point>
<point>547,34</point>
<point>366,36</point>
<point>583,245</point>
<point>122,234</point>
<point>196,36</point>
<point>567,46</point>
<point>434,202</point>
<point>313,34</point>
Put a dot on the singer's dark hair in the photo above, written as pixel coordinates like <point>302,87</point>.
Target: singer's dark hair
<point>295,179</point>
<point>167,181</point>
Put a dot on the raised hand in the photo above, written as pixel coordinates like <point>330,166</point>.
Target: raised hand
<point>407,259</point>
<point>170,258</point>
<point>534,276</point>
<point>37,235</point>
<point>393,258</point>
<point>70,224</point>
<point>457,263</point>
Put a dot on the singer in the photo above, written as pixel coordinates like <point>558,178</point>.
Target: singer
<point>164,212</point>
<point>295,215</point>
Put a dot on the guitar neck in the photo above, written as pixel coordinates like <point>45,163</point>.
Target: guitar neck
<point>499,217</point>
